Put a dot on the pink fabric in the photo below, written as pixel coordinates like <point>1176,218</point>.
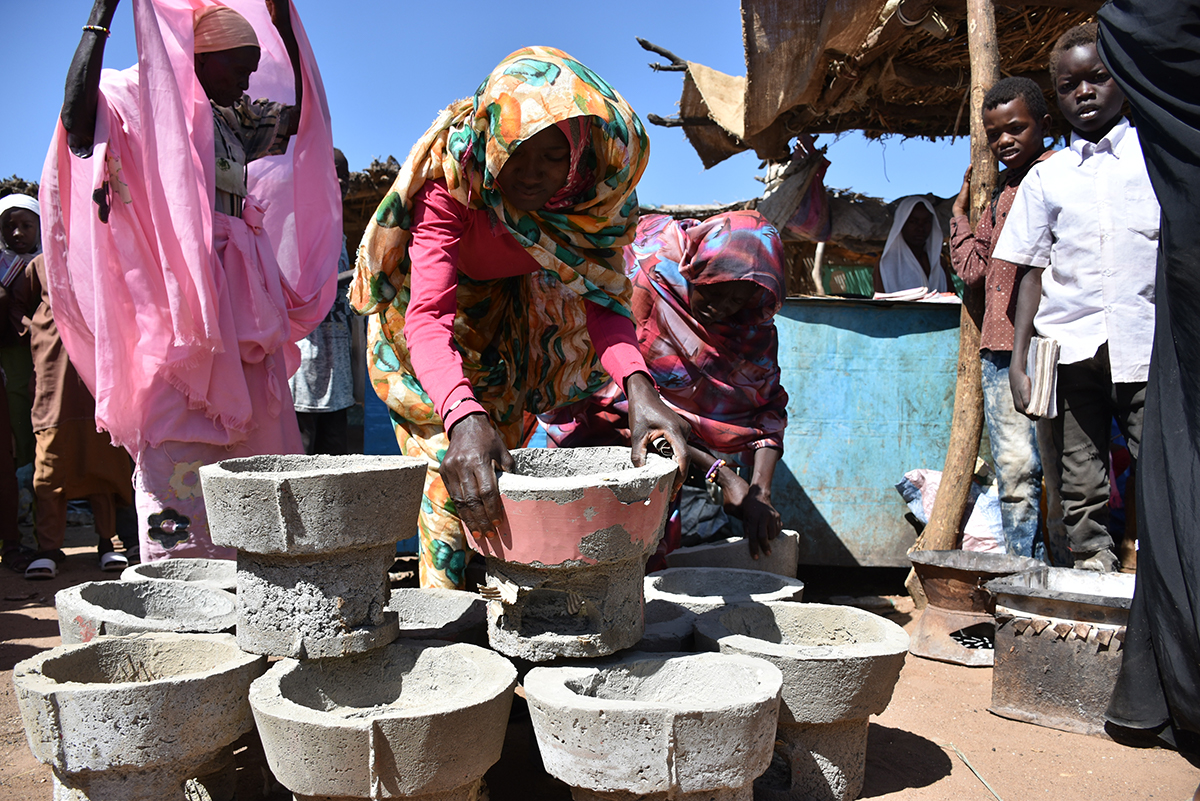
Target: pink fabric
<point>158,306</point>
<point>447,239</point>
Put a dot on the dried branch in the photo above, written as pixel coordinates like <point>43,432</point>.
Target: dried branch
<point>677,64</point>
<point>678,122</point>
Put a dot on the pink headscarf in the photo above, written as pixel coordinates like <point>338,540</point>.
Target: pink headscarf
<point>138,298</point>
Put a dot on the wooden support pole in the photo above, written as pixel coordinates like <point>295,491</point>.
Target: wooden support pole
<point>967,424</point>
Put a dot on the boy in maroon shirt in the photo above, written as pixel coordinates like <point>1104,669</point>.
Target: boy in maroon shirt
<point>1016,120</point>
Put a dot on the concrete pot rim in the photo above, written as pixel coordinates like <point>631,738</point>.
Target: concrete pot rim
<point>786,585</point>
<point>215,624</point>
<point>894,640</point>
<point>547,685</point>
<point>1011,586</point>
<point>496,679</point>
<point>224,572</point>
<point>986,563</point>
<point>519,485</point>
<point>322,466</point>
<point>31,674</point>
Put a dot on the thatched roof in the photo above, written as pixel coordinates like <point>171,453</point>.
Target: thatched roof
<point>878,66</point>
<point>15,185</point>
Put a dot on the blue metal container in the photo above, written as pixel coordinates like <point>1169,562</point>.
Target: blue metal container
<point>871,395</point>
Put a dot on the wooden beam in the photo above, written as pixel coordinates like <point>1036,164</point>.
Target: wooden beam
<point>1091,6</point>
<point>678,122</point>
<point>967,424</point>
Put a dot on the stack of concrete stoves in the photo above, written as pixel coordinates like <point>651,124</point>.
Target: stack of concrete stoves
<point>352,711</point>
<point>362,705</point>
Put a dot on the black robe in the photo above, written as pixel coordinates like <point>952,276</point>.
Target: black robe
<point>1152,47</point>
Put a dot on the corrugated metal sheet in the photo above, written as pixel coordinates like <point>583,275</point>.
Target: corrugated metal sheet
<point>871,389</point>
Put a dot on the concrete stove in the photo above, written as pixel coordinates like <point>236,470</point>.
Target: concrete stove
<point>839,666</point>
<point>315,538</point>
<point>132,718</point>
<point>564,577</point>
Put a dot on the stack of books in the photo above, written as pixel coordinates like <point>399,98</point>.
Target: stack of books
<point>1042,368</point>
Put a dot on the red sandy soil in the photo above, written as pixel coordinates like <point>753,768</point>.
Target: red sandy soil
<point>935,742</point>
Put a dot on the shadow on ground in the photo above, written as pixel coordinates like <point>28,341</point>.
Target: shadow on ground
<point>898,759</point>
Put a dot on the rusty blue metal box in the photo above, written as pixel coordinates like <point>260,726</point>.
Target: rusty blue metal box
<point>871,395</point>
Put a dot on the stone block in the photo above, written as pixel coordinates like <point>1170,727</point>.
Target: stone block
<point>438,614</point>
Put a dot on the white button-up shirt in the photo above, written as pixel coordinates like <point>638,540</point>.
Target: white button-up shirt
<point>1089,214</point>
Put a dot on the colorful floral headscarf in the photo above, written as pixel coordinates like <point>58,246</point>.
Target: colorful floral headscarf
<point>524,343</point>
<point>469,144</point>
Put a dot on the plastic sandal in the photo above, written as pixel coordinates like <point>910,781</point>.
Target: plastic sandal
<point>113,561</point>
<point>41,570</point>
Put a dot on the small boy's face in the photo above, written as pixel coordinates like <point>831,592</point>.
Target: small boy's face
<point>21,230</point>
<point>1088,96</point>
<point>1014,136</point>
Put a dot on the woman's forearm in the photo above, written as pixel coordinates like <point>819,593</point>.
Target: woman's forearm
<point>281,18</point>
<point>81,97</point>
<point>765,460</point>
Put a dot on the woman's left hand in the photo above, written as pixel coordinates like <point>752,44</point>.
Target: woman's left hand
<point>649,419</point>
<point>750,502</point>
<point>281,13</point>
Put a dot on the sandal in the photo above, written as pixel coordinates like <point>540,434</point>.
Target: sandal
<point>17,558</point>
<point>113,561</point>
<point>41,570</point>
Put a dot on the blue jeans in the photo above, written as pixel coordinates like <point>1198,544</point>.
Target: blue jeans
<point>1015,453</point>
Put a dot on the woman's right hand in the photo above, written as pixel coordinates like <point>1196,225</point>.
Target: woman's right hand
<point>469,471</point>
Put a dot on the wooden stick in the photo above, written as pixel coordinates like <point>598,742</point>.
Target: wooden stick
<point>967,424</point>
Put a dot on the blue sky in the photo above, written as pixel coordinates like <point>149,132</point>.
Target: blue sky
<point>390,65</point>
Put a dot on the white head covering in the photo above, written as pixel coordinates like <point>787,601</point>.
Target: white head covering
<point>898,266</point>
<point>18,201</point>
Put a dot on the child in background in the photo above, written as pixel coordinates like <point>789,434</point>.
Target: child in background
<point>20,241</point>
<point>72,459</point>
<point>1089,214</point>
<point>323,386</point>
<point>1017,121</point>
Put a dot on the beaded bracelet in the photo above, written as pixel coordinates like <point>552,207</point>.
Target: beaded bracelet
<point>711,475</point>
<point>98,29</point>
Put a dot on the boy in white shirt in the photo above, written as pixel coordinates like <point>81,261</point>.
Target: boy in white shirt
<point>1085,222</point>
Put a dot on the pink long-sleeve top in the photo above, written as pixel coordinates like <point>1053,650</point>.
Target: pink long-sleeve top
<point>448,238</point>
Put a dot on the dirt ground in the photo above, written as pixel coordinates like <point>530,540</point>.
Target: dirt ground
<point>935,742</point>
